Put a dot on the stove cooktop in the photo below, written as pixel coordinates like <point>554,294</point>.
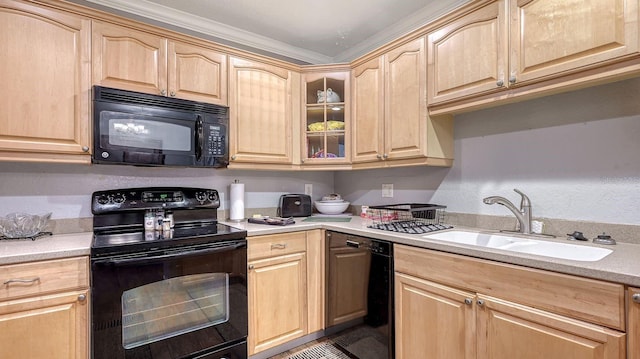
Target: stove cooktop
<point>120,241</point>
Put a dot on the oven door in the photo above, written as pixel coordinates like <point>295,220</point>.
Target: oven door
<point>171,303</point>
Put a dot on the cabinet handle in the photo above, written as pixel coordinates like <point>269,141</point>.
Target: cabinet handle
<point>468,301</point>
<point>636,298</point>
<point>82,297</point>
<point>480,302</point>
<point>278,246</point>
<point>512,79</point>
<point>500,83</point>
<point>233,158</point>
<point>163,92</point>
<point>85,149</point>
<point>251,266</point>
<point>24,281</point>
<point>385,156</point>
<point>379,156</point>
<point>172,94</point>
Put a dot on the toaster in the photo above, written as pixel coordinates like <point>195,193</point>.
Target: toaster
<point>294,205</point>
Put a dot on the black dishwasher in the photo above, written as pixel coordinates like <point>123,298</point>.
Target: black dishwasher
<point>359,295</point>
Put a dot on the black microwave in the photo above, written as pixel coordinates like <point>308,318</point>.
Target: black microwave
<point>149,130</point>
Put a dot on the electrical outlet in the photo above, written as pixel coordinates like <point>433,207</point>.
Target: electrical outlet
<point>387,190</point>
<point>308,189</point>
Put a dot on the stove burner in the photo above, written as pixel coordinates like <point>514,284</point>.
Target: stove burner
<point>411,227</point>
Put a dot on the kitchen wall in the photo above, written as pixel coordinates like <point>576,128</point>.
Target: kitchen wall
<point>66,190</point>
<point>576,155</point>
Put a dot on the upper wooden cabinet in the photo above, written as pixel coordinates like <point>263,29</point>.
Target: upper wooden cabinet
<point>45,92</point>
<point>261,111</point>
<point>515,43</point>
<point>139,61</point>
<point>550,37</point>
<point>390,121</point>
<point>468,55</point>
<point>325,110</point>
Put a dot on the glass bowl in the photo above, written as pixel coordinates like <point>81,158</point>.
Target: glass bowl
<point>23,225</point>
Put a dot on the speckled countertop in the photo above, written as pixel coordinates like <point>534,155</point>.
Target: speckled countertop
<point>622,266</point>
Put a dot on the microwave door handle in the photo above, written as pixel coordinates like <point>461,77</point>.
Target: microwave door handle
<point>199,142</point>
<point>149,259</point>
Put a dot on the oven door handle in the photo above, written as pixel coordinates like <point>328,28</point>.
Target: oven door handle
<point>154,258</point>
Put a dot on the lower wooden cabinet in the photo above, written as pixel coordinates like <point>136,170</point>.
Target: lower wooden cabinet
<point>449,314</point>
<point>284,290</point>
<point>633,321</point>
<point>44,309</point>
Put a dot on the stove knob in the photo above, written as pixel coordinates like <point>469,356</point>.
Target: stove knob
<point>213,196</point>
<point>201,196</point>
<point>102,199</point>
<point>119,198</point>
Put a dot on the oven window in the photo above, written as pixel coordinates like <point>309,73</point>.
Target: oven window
<point>138,131</point>
<point>174,306</point>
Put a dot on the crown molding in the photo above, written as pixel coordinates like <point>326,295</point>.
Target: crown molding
<point>427,14</point>
<point>212,28</point>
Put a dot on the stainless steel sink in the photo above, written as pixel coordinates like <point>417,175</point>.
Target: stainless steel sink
<point>523,245</point>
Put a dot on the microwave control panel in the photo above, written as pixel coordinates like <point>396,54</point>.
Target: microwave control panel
<point>216,140</point>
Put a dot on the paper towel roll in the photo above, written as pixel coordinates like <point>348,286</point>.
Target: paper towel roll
<point>236,200</point>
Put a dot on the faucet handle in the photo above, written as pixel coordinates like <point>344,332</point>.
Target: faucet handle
<point>524,202</point>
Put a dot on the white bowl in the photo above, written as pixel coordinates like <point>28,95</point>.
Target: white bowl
<point>331,207</point>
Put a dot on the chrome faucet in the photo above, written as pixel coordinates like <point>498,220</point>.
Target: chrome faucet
<point>523,214</point>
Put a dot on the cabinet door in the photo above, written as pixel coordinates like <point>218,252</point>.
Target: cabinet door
<point>468,55</point>
<point>405,101</point>
<point>633,330</point>
<point>260,113</point>
<point>45,92</point>
<point>433,321</point>
<point>46,327</point>
<point>277,301</point>
<point>197,73</point>
<point>368,112</point>
<point>348,279</point>
<point>507,330</point>
<point>550,36</point>
<point>129,59</point>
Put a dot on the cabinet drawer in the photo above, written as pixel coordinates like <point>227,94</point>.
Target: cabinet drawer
<point>276,244</point>
<point>581,298</point>
<point>36,278</point>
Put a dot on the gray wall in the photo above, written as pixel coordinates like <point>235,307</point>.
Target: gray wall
<point>66,190</point>
<point>576,155</point>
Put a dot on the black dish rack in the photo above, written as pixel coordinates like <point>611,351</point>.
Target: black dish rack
<point>412,218</point>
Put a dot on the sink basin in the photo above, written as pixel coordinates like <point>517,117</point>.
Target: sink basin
<point>523,245</point>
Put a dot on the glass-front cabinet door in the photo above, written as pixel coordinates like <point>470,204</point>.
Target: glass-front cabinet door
<point>326,113</point>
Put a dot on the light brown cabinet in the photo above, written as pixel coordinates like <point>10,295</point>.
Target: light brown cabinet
<point>391,126</point>
<point>284,291</point>
<point>325,132</point>
<point>501,311</point>
<point>633,320</point>
<point>468,56</point>
<point>135,60</point>
<point>261,114</point>
<point>347,277</point>
<point>514,43</point>
<point>44,309</point>
<point>46,81</point>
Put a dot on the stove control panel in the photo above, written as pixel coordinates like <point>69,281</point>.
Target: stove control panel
<point>134,199</point>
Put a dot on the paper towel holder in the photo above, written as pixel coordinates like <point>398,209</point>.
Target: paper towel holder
<point>236,201</point>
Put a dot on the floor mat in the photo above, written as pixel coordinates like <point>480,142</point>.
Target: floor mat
<point>320,351</point>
